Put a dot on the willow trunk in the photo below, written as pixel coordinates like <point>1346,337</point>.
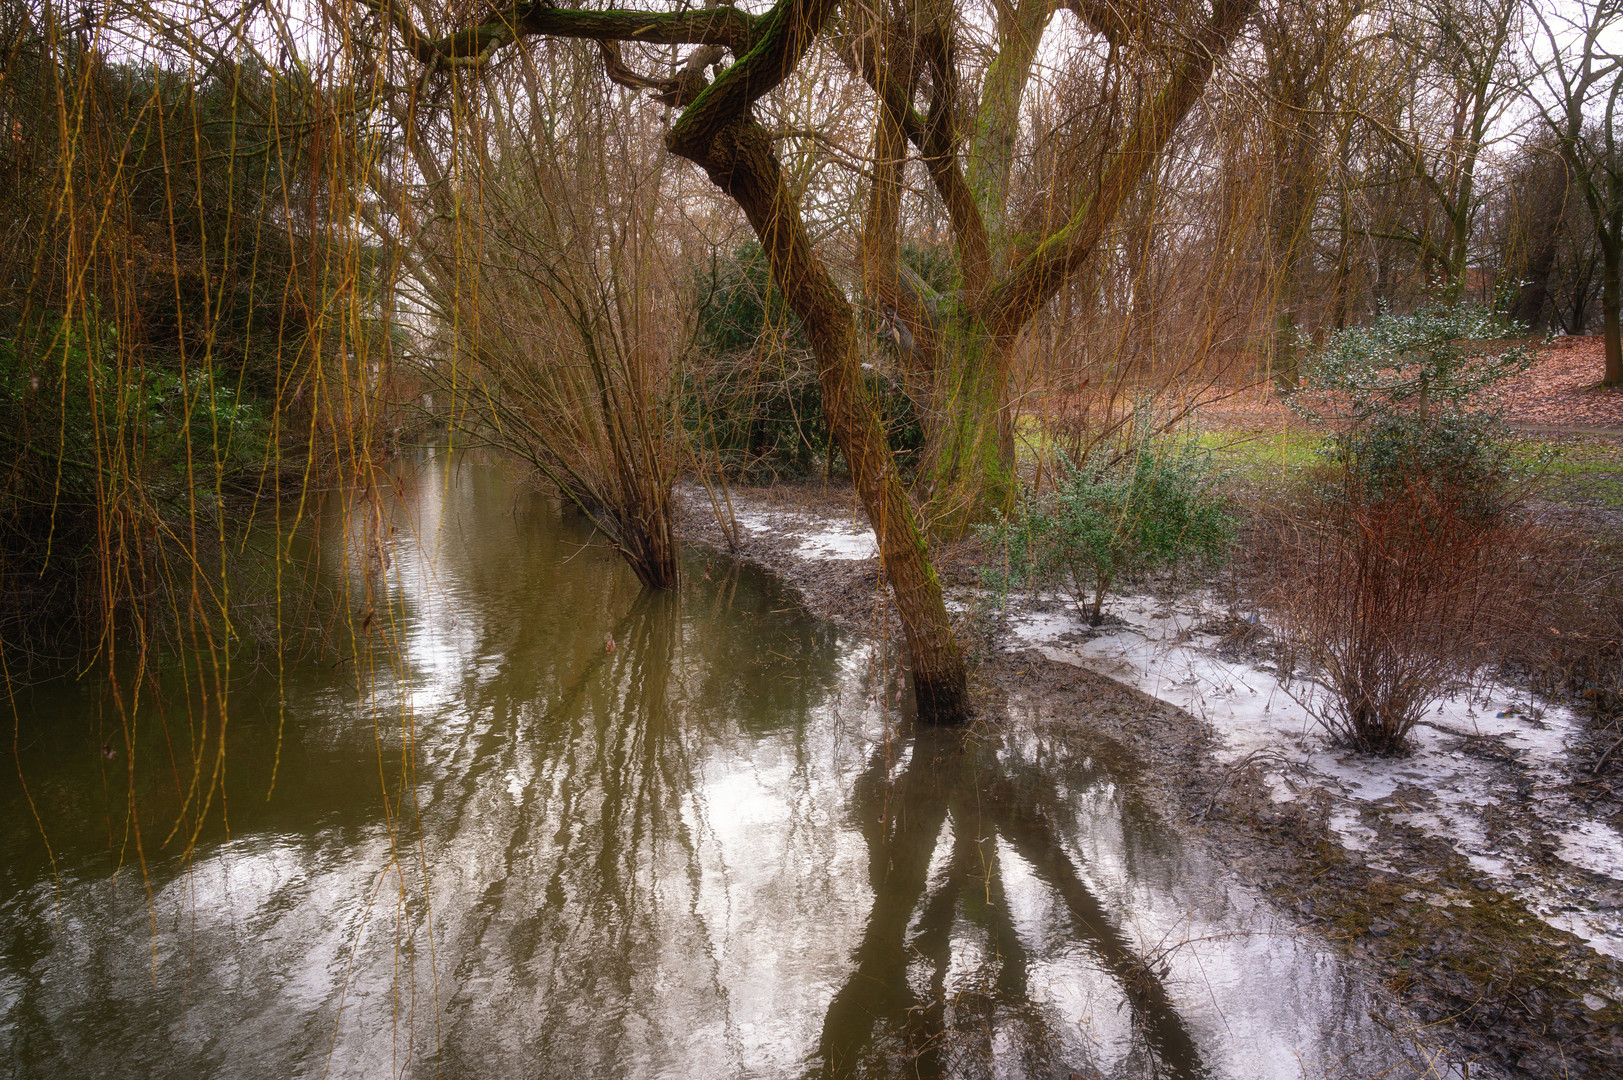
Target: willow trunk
<point>739,160</point>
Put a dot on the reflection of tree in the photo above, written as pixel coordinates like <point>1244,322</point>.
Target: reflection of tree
<point>587,874</point>
<point>573,872</point>
<point>879,1011</point>
<point>581,872</point>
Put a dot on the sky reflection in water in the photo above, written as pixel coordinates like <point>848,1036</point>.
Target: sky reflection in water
<point>500,849</point>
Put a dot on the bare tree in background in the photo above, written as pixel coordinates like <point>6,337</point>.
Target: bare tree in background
<point>1299,43</point>
<point>1527,224</point>
<point>1461,62</point>
<point>1584,87</point>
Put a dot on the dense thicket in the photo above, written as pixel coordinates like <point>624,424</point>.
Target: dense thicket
<point>751,395</point>
<point>167,266</point>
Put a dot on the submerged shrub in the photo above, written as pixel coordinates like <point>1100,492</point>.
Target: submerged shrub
<point>1150,507</point>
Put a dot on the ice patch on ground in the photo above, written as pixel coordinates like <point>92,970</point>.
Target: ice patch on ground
<point>1594,846</point>
<point>1353,833</point>
<point>837,545</point>
<point>1482,756</point>
<point>816,539</point>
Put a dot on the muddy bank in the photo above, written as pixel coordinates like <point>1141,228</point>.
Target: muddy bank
<point>816,538</point>
<point>1491,982</point>
<point>1477,883</point>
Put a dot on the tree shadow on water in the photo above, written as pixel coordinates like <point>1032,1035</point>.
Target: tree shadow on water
<point>910,1007</point>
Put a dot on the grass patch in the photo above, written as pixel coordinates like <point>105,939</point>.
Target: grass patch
<point>1263,457</point>
<point>1581,469</point>
<point>1248,455</point>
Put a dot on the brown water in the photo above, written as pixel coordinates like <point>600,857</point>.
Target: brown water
<point>717,850</point>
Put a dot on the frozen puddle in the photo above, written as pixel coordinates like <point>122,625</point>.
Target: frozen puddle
<point>817,539</point>
<point>1478,755</point>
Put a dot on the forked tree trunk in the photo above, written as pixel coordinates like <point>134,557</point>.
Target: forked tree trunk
<point>969,454</point>
<point>716,132</point>
<point>1101,586</point>
<point>969,445</point>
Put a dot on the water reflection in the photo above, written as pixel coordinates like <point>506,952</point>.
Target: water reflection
<point>497,847</point>
<point>943,977</point>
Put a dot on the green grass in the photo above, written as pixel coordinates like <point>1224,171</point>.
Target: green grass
<point>1250,455</point>
<point>1264,458</point>
<point>1584,470</point>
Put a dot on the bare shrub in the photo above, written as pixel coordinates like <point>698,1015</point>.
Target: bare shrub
<point>1393,600</point>
<point>1398,563</point>
<point>559,323</point>
<point>1570,642</point>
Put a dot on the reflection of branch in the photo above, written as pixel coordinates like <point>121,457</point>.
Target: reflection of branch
<point>933,941</point>
<point>901,821</point>
<point>914,806</point>
<point>1013,962</point>
<point>1034,838</point>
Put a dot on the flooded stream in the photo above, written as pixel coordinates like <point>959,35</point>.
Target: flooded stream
<point>499,848</point>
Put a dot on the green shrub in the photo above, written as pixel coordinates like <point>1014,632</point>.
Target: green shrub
<point>1404,552</point>
<point>1150,507</point>
<point>752,395</point>
<point>1436,361</point>
<point>91,445</point>
<point>1414,397</point>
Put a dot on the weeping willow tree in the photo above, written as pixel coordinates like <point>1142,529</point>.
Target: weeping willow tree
<point>191,354</point>
<point>916,71</point>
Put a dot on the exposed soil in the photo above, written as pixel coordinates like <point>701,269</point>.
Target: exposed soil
<point>1562,391</point>
<point>1468,969</point>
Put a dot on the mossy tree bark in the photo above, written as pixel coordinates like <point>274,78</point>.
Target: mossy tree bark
<point>968,339</point>
<point>717,132</point>
<point>740,161</point>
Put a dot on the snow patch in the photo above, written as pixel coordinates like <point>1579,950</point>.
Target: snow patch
<point>815,539</point>
<point>1477,754</point>
<point>839,546</point>
<point>1593,846</point>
